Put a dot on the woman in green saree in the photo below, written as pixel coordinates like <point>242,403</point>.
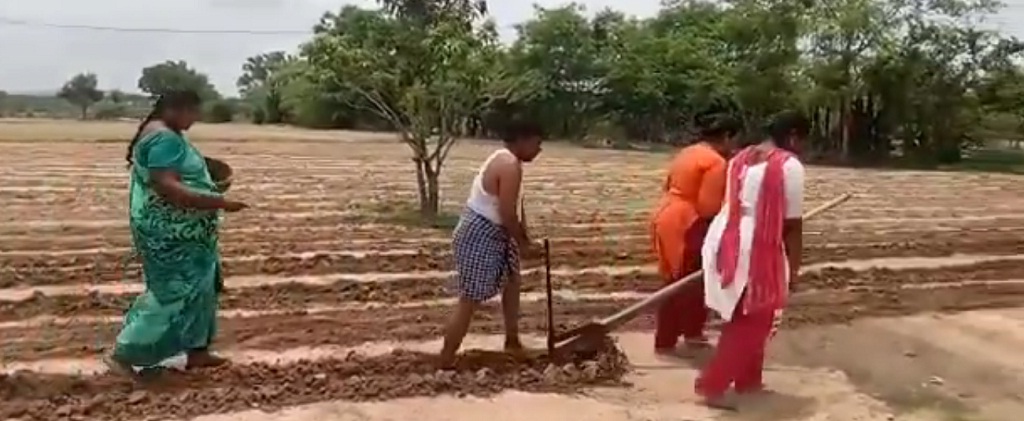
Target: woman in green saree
<point>174,215</point>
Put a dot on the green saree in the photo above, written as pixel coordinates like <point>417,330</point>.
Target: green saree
<point>180,259</point>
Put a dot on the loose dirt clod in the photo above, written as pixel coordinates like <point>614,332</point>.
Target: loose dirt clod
<point>33,396</point>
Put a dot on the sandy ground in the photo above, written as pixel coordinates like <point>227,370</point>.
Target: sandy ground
<point>931,367</point>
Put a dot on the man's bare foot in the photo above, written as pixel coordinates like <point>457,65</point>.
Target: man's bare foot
<point>204,359</point>
<point>445,364</point>
<point>515,348</point>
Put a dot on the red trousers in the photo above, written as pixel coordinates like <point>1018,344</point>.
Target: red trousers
<point>684,314</point>
<point>739,357</point>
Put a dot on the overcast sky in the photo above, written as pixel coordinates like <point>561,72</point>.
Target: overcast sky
<point>38,58</point>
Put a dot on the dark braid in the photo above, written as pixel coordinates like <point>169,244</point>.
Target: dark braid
<point>174,99</point>
<point>158,108</point>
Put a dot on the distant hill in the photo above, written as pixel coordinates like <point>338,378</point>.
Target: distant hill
<point>33,93</point>
<point>46,104</point>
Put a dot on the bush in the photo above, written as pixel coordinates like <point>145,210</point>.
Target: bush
<point>110,111</point>
<point>259,116</point>
<point>220,112</point>
<point>949,155</point>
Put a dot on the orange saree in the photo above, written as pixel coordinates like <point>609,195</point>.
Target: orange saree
<point>691,197</point>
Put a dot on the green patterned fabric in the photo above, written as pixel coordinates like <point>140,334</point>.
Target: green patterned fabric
<point>179,253</point>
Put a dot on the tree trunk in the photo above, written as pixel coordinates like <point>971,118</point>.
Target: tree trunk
<point>845,125</point>
<point>85,112</point>
<point>433,194</point>
<point>428,187</point>
<point>421,182</point>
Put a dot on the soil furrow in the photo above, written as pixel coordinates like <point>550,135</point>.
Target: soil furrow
<point>107,209</point>
<point>318,264</point>
<point>351,327</point>
<point>435,258</point>
<point>343,328</point>
<point>333,226</point>
<point>294,296</point>
<point>270,240</point>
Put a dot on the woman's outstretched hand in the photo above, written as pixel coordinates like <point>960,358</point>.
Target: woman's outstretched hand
<point>234,206</point>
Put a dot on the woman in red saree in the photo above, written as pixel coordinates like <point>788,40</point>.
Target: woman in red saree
<point>751,253</point>
<point>691,196</point>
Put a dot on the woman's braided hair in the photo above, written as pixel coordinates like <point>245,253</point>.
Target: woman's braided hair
<point>165,101</point>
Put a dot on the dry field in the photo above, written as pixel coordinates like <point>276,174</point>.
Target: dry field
<point>908,310</point>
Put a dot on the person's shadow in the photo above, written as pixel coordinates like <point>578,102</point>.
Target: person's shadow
<point>694,358</point>
<point>767,405</point>
<point>772,405</point>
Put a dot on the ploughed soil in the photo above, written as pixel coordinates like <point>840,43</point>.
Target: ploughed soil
<point>32,396</point>
<point>356,326</point>
<point>290,259</point>
<point>297,296</point>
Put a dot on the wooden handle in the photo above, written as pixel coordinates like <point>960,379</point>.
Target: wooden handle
<point>632,311</point>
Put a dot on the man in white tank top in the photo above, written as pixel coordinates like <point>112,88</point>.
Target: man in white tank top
<point>489,239</point>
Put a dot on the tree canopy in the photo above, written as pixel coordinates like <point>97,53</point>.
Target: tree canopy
<point>82,91</point>
<point>176,75</point>
<point>879,77</point>
<point>882,79</point>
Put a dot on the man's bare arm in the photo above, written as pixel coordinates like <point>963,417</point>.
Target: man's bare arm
<point>510,179</point>
<point>522,218</point>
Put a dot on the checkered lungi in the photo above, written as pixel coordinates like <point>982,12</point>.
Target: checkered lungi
<point>485,256</point>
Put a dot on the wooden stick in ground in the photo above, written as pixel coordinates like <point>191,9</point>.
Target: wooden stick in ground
<point>547,287</point>
<point>629,313</point>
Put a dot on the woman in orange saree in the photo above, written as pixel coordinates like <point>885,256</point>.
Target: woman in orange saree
<point>691,196</point>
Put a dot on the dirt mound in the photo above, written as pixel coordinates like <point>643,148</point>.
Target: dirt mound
<point>31,396</point>
<point>294,296</point>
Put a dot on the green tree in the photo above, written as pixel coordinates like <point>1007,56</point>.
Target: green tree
<point>421,67</point>
<point>883,79</point>
<point>261,84</point>
<point>257,70</point>
<point>176,75</point>
<point>220,111</point>
<point>116,96</point>
<point>81,90</point>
